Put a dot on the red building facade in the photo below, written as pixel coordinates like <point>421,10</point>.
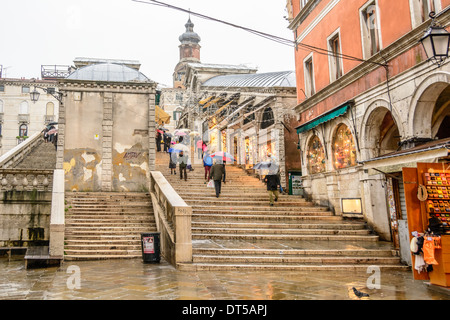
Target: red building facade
<point>366,92</point>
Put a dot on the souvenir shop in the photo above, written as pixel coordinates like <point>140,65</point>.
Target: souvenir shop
<point>427,193</point>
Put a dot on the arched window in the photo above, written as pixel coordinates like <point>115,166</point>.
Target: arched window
<point>50,111</point>
<point>23,130</point>
<point>344,151</point>
<point>316,156</point>
<point>23,107</point>
<point>177,114</point>
<point>267,118</point>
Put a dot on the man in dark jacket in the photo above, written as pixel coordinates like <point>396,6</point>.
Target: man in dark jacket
<point>217,172</point>
<point>273,183</point>
<point>183,160</point>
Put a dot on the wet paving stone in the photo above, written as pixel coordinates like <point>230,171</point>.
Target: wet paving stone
<point>134,280</point>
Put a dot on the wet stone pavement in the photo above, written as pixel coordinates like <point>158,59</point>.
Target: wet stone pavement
<point>134,280</point>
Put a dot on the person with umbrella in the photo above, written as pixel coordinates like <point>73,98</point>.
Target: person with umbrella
<point>172,161</point>
<point>217,175</point>
<point>207,164</point>
<point>272,180</point>
<point>183,162</point>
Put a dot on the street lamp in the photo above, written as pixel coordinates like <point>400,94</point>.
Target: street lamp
<point>436,41</point>
<point>34,95</point>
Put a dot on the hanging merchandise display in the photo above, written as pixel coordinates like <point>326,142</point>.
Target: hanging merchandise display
<point>438,201</point>
<point>427,191</point>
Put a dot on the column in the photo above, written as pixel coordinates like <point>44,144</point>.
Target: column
<point>107,126</point>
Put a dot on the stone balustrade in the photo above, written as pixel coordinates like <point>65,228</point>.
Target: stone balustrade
<point>173,220</point>
<point>25,180</point>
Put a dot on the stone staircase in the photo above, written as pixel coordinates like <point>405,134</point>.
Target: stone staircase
<point>240,230</point>
<point>106,225</point>
<point>42,157</point>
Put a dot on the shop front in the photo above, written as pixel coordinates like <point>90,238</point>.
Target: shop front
<point>417,183</point>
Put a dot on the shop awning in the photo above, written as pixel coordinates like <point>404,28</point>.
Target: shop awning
<point>336,112</point>
<point>161,116</point>
<point>224,106</point>
<point>211,102</point>
<point>395,161</point>
<point>202,102</point>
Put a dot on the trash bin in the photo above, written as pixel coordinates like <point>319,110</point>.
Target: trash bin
<point>151,249</point>
<point>295,183</point>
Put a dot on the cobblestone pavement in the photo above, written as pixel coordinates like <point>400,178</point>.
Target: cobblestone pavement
<point>135,280</point>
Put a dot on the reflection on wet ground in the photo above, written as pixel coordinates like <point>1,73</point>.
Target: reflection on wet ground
<point>134,280</point>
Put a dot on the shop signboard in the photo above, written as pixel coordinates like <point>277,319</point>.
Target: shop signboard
<point>295,183</point>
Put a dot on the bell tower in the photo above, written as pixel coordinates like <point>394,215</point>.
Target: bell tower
<point>189,52</point>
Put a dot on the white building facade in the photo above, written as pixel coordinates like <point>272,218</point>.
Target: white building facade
<point>19,116</point>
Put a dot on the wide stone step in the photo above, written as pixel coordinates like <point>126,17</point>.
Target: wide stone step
<point>112,252</point>
<point>305,260</point>
<point>253,225</point>
<point>346,251</point>
<point>285,218</point>
<point>102,246</point>
<point>73,231</point>
<point>237,203</point>
<point>298,237</point>
<point>109,223</point>
<point>243,199</point>
<point>80,257</point>
<point>283,267</point>
<point>110,218</point>
<point>268,209</point>
<point>93,212</point>
<point>108,226</point>
<point>104,237</point>
<point>276,231</point>
<point>218,212</point>
<point>104,243</point>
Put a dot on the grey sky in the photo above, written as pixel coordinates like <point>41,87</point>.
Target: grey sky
<point>37,32</point>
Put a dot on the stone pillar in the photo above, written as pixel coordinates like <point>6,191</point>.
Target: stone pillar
<point>61,135</point>
<point>333,193</point>
<point>183,236</point>
<point>151,133</point>
<point>279,116</point>
<point>107,126</point>
<point>374,204</point>
<point>57,227</point>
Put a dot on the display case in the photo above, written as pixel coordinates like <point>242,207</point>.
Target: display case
<point>438,197</point>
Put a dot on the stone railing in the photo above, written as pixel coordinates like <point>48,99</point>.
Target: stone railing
<point>26,180</point>
<point>11,158</point>
<point>173,220</point>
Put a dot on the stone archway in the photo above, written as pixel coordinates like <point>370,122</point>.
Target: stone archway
<point>381,130</point>
<point>427,114</point>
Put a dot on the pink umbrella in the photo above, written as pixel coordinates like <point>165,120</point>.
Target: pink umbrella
<point>181,133</point>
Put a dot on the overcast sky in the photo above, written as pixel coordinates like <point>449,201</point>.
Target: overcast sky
<point>49,32</point>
